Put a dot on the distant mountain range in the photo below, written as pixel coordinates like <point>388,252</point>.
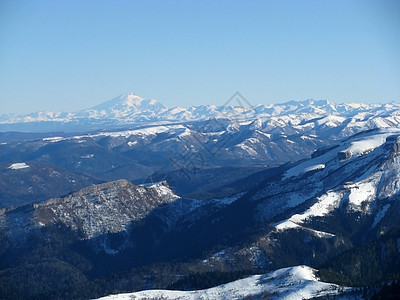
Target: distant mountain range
<point>130,109</point>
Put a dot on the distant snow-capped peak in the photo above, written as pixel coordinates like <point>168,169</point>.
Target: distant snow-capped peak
<point>129,101</point>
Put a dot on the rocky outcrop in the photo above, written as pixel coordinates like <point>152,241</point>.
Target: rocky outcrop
<point>105,208</point>
<point>344,155</point>
<point>394,142</point>
<point>323,150</point>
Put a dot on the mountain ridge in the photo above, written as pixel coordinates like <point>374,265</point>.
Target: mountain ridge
<point>297,282</point>
<point>98,209</point>
<point>132,109</point>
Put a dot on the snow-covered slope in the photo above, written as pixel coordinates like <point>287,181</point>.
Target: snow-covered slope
<point>374,163</point>
<point>358,167</point>
<point>298,282</point>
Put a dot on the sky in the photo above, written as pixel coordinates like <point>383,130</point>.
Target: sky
<point>71,55</point>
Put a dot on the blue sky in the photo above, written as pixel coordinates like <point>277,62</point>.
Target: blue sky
<point>70,55</point>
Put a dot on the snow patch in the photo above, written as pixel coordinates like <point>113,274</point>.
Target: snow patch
<point>18,166</point>
<point>162,189</point>
<point>368,144</point>
<point>311,164</point>
<point>53,139</point>
<point>325,204</point>
<point>364,191</point>
<point>248,149</point>
<point>316,167</point>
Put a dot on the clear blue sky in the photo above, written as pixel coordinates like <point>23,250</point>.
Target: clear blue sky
<point>70,55</point>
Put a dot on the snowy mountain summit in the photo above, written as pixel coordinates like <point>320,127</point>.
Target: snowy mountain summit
<point>126,106</point>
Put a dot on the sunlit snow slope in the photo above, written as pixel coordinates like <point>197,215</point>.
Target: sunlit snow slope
<point>298,282</point>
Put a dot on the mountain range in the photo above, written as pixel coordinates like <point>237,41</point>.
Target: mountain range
<point>299,199</point>
<point>130,109</point>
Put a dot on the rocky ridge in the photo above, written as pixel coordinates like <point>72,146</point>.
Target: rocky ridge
<point>100,209</point>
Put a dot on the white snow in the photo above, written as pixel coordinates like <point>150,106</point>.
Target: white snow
<point>363,191</point>
<point>18,166</point>
<point>316,167</point>
<point>357,146</point>
<point>304,137</point>
<point>325,204</point>
<point>380,123</point>
<point>312,164</point>
<point>287,224</point>
<point>248,149</point>
<point>186,132</point>
<point>162,190</point>
<point>365,145</point>
<point>53,139</point>
<point>146,131</point>
<point>331,121</point>
<point>299,282</point>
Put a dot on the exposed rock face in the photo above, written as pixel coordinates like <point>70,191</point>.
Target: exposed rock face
<point>395,141</point>
<point>99,209</point>
<point>105,208</point>
<point>344,155</point>
<point>322,151</point>
<point>396,146</point>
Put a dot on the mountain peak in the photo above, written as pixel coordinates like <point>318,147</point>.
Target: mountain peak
<point>127,105</point>
<point>123,99</point>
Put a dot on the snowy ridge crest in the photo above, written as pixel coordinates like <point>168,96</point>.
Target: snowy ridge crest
<point>297,282</point>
